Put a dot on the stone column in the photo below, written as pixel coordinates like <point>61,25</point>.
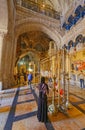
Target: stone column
<point>13,60</point>
<point>1,46</point>
<point>6,61</point>
<point>10,63</point>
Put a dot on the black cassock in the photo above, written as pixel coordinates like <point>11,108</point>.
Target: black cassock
<point>42,105</point>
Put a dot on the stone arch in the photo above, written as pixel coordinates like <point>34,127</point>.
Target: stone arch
<point>36,26</point>
<point>27,53</point>
<point>52,33</point>
<point>33,51</point>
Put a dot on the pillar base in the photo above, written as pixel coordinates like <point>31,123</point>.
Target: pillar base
<point>52,109</point>
<point>68,105</point>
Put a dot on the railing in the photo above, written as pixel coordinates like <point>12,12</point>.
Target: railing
<point>40,8</point>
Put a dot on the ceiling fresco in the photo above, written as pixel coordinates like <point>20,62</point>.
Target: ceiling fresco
<point>32,41</point>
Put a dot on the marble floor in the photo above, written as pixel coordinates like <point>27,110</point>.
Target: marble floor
<point>18,109</point>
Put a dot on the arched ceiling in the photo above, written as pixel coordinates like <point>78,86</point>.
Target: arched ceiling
<point>32,40</point>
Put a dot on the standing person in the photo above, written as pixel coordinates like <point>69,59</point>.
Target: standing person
<point>30,77</point>
<point>81,80</point>
<point>42,101</point>
<point>25,77</point>
<point>18,77</point>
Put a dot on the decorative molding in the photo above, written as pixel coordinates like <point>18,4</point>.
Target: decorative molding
<point>26,15</point>
<point>74,32</point>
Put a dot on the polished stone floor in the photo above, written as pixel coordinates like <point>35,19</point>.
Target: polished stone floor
<point>18,109</point>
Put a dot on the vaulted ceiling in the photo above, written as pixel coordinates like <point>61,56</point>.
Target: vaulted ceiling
<point>34,40</point>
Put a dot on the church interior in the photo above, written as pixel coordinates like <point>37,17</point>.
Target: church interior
<point>45,38</point>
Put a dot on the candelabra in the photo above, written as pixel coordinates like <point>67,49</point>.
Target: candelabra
<point>63,103</point>
<point>68,105</point>
<point>52,107</point>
